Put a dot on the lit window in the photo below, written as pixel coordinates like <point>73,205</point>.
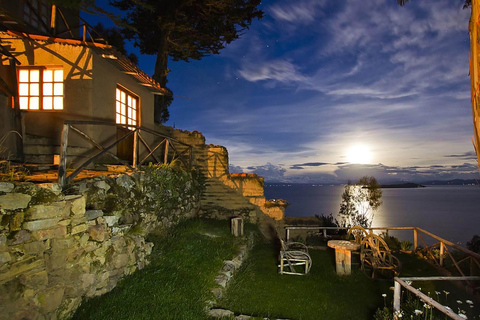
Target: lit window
<point>40,88</point>
<point>126,107</point>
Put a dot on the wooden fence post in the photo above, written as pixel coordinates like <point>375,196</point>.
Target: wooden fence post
<point>135,148</point>
<point>165,157</point>
<point>62,168</point>
<point>415,239</point>
<point>397,292</point>
<point>442,250</point>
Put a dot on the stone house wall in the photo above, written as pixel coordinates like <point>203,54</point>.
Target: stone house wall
<point>56,249</point>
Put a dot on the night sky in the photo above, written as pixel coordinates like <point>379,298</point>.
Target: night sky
<point>325,91</point>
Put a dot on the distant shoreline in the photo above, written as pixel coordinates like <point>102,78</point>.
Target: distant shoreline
<point>402,185</point>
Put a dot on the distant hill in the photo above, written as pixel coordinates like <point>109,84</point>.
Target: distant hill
<point>454,182</point>
<point>403,185</point>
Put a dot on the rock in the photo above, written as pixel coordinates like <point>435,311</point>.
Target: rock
<point>217,292</point>
<point>221,280</point>
<point>55,187</point>
<point>3,241</point>
<point>58,232</point>
<point>21,237</point>
<point>16,221</point>
<point>4,257</point>
<point>121,260</point>
<point>13,201</point>
<point>93,214</point>
<point>77,204</point>
<point>50,300</point>
<point>6,187</point>
<point>36,247</point>
<point>79,228</point>
<point>125,182</point>
<point>41,224</point>
<point>102,185</point>
<point>39,212</point>
<point>220,313</point>
<point>34,280</point>
<point>111,220</point>
<point>97,233</point>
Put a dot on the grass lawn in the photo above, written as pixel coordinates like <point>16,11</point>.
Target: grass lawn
<point>184,264</point>
<point>177,282</point>
<point>259,290</point>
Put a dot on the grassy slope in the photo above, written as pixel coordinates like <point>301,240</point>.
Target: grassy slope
<point>177,282</point>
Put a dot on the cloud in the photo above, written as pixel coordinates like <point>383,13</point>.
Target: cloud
<point>300,12</point>
<point>269,171</point>
<point>235,169</point>
<point>470,155</point>
<point>308,164</point>
<point>277,70</point>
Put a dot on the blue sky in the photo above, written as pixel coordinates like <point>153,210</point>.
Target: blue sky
<point>326,91</point>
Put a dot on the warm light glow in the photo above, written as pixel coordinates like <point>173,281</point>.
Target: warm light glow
<point>126,108</point>
<point>359,154</point>
<point>40,89</point>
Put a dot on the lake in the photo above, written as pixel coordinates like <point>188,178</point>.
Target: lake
<point>451,212</point>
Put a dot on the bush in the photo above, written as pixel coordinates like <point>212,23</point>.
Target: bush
<point>474,244</point>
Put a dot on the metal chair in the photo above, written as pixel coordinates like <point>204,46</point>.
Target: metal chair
<point>294,254</point>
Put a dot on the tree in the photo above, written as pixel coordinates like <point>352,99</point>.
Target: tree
<point>359,203</point>
<point>467,3</point>
<point>184,30</point>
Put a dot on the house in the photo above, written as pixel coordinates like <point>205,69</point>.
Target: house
<point>49,75</point>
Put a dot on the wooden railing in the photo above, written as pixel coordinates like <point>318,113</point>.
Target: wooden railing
<point>444,247</point>
<point>405,282</point>
<point>171,149</point>
<point>468,273</point>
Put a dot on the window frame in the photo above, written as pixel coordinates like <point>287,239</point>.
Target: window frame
<point>118,107</point>
<point>36,14</point>
<point>41,84</point>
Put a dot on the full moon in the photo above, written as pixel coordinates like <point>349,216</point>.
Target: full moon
<point>359,154</point>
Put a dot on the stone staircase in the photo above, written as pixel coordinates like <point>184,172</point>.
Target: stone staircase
<point>41,150</point>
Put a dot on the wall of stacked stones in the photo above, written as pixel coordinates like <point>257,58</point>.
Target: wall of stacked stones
<point>58,248</point>
<point>228,195</point>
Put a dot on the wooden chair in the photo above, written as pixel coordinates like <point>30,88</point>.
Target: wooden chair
<point>294,254</point>
<point>376,256</point>
<point>359,233</point>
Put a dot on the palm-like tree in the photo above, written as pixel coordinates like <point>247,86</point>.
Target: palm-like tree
<point>467,3</point>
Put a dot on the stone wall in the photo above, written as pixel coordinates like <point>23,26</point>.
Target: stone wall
<point>56,249</point>
<point>228,195</point>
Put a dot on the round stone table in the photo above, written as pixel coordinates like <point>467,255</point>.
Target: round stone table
<point>343,255</point>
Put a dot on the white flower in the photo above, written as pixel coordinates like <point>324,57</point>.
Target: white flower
<point>448,308</point>
<point>459,302</point>
<point>426,306</point>
<point>384,295</point>
<point>437,293</point>
<point>469,301</point>
<point>408,282</point>
<point>446,292</point>
<point>418,312</point>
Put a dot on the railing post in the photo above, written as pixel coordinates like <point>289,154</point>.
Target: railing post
<point>415,239</point>
<point>62,168</point>
<point>442,250</point>
<point>135,148</point>
<point>397,292</point>
<point>165,157</point>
